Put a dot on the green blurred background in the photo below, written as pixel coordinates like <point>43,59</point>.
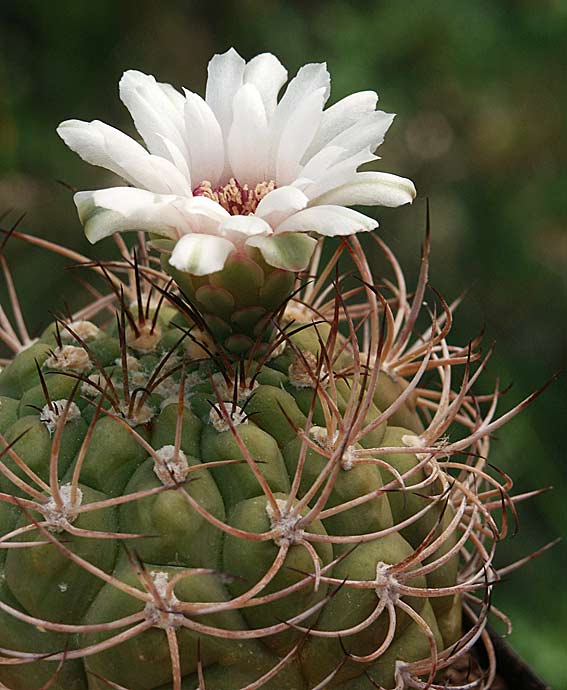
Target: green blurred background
<point>480,88</point>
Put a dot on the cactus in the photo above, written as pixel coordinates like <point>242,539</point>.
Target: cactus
<point>242,466</point>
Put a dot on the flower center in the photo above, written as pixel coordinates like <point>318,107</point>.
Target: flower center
<point>237,199</point>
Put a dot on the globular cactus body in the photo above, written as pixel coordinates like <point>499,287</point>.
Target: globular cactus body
<point>175,513</point>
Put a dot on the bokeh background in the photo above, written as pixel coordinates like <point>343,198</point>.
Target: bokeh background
<point>481,92</point>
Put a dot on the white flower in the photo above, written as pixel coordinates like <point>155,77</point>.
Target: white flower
<point>238,168</point>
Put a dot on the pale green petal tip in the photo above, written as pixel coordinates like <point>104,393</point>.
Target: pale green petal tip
<point>201,255</point>
<point>96,221</point>
<point>290,251</point>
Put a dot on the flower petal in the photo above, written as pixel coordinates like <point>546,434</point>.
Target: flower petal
<point>118,209</point>
<point>291,250</point>
<point>371,189</point>
<point>204,140</point>
<point>268,75</point>
<point>310,78</point>
<point>322,162</point>
<point>99,144</point>
<point>226,73</point>
<point>369,132</point>
<point>248,138</point>
<point>204,214</point>
<point>297,135</point>
<point>341,116</point>
<point>244,225</point>
<point>179,160</point>
<point>342,172</point>
<point>200,254</point>
<point>328,220</point>
<point>279,204</point>
<point>157,111</point>
<point>301,183</point>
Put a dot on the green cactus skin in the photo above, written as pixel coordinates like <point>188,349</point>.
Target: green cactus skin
<point>238,302</point>
<point>311,537</point>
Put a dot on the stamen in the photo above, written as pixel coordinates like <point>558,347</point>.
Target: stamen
<point>237,199</point>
